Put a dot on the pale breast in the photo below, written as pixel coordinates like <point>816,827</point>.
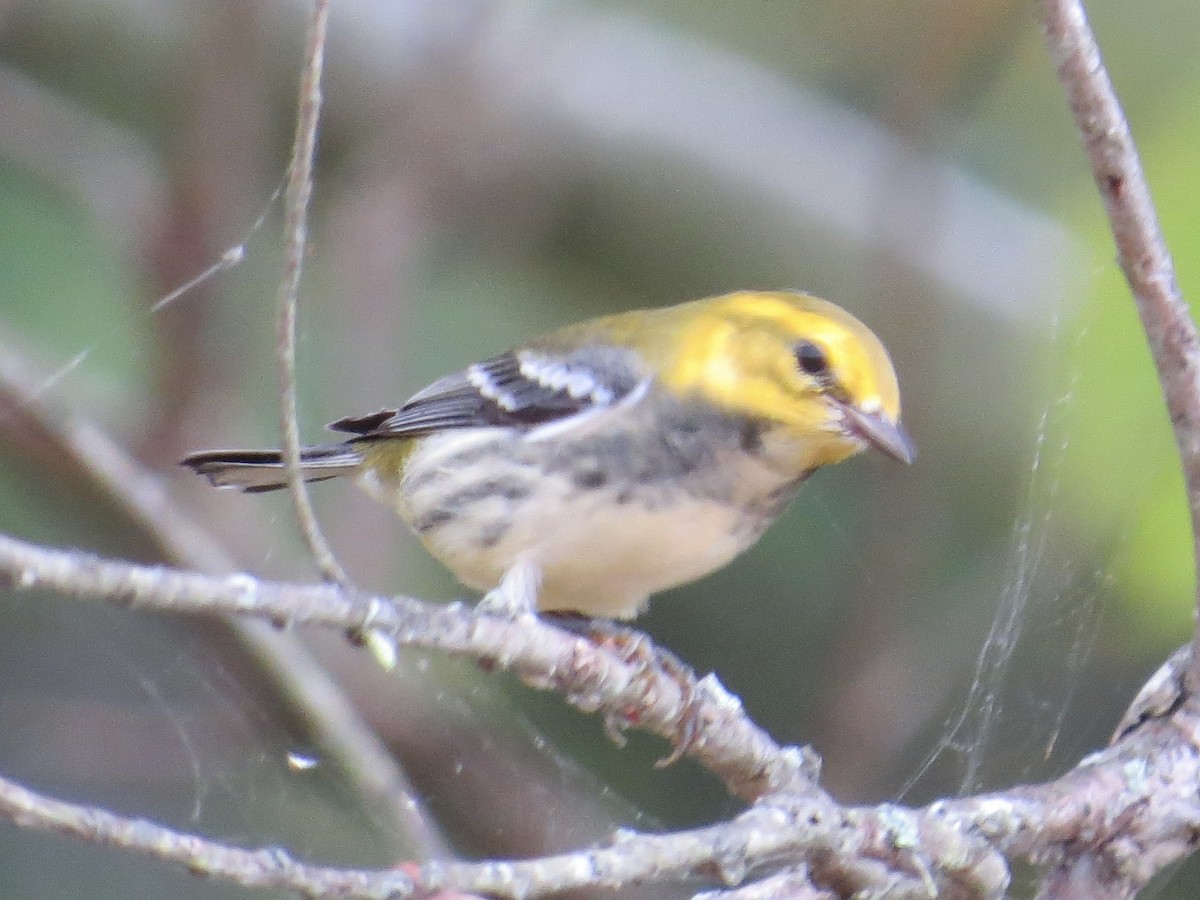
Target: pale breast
<point>609,519</point>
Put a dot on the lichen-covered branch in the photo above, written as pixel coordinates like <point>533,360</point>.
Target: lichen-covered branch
<point>591,677</point>
<point>1122,815</point>
<point>857,850</point>
<point>1126,812</point>
<point>792,883</point>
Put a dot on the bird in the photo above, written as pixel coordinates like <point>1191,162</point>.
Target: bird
<point>612,459</point>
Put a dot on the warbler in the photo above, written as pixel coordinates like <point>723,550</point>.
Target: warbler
<point>609,460</point>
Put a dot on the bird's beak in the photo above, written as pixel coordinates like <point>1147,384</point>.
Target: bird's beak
<point>880,432</point>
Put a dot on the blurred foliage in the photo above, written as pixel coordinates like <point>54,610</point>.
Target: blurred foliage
<point>68,290</point>
<point>461,208</point>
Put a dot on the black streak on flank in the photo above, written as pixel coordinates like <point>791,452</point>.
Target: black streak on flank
<point>506,489</point>
<point>751,437</point>
<point>427,478</point>
<point>770,506</point>
<point>493,534</point>
<point>435,518</point>
<point>589,478</point>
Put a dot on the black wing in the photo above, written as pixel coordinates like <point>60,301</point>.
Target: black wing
<point>519,389</point>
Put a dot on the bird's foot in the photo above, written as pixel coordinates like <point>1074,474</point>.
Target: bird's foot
<point>515,597</point>
<point>635,648</point>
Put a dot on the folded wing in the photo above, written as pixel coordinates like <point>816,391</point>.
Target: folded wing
<point>520,389</point>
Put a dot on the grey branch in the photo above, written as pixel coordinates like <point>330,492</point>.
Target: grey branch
<point>793,883</point>
<point>846,841</point>
<point>591,677</point>
<point>1120,865</point>
<point>1141,249</point>
<point>1128,811</point>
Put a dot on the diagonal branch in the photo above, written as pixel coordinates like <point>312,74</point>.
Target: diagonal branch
<point>844,846</point>
<point>328,712</point>
<point>1141,249</point>
<point>297,197</point>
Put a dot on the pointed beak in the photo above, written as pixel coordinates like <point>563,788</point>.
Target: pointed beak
<point>881,433</point>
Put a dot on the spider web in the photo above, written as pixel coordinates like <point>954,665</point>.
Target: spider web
<point>1047,619</point>
<point>261,764</point>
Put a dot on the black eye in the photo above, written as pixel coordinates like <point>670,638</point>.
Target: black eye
<point>812,359</point>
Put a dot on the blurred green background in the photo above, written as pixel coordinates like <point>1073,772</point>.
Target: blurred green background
<point>491,169</point>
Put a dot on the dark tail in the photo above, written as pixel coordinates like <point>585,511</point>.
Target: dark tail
<point>255,471</point>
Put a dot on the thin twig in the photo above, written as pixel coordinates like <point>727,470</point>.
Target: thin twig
<point>298,194</point>
<point>320,701</point>
<point>249,868</point>
<point>861,850</point>
<point>1141,249</point>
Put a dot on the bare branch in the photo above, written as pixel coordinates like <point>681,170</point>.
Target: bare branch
<point>1141,249</point>
<point>250,868</point>
<point>791,884</point>
<point>1124,813</point>
<point>298,194</point>
<point>591,677</point>
<point>859,850</point>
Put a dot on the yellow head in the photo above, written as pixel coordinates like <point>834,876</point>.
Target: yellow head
<point>806,365</point>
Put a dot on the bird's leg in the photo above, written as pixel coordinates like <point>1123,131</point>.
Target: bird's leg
<point>515,597</point>
<point>636,649</point>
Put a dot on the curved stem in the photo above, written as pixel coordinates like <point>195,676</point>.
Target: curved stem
<point>298,194</point>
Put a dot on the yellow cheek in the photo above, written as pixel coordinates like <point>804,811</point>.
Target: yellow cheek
<point>804,448</point>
